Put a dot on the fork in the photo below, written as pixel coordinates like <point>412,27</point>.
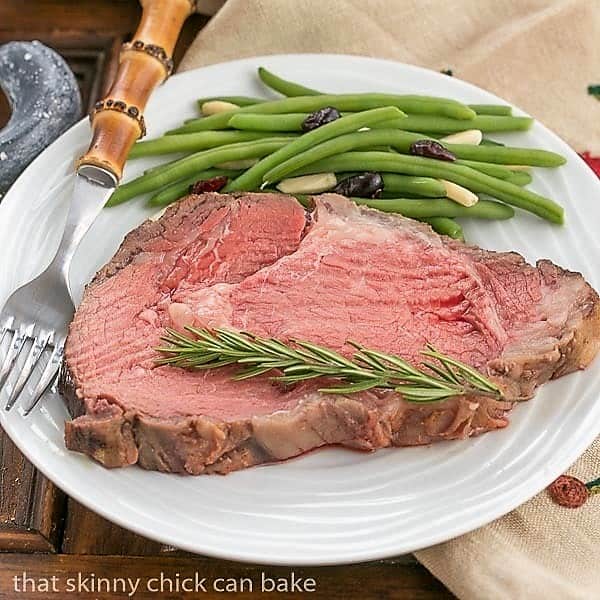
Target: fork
<point>36,316</point>
<point>38,313</point>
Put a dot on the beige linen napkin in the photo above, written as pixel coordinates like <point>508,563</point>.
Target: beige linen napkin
<point>541,55</point>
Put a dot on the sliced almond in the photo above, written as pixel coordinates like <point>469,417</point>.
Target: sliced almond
<point>236,165</point>
<point>470,136</point>
<point>157,215</point>
<point>213,107</point>
<point>308,184</point>
<point>459,194</point>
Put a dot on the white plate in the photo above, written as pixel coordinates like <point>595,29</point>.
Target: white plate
<point>331,506</point>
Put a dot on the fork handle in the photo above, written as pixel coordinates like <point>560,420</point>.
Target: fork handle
<point>117,119</point>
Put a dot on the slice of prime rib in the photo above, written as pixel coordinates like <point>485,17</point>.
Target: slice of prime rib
<point>261,263</point>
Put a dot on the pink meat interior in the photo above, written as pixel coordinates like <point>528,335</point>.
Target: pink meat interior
<point>253,263</point>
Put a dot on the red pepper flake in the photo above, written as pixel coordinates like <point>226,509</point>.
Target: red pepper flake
<point>569,491</point>
<point>593,161</point>
<point>209,185</point>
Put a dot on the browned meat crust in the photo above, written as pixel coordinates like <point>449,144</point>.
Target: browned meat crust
<point>199,444</point>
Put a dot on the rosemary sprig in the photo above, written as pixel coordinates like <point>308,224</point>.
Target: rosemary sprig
<point>442,377</point>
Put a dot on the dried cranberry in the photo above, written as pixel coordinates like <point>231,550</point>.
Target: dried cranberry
<point>209,185</point>
<point>320,117</point>
<point>431,149</point>
<point>568,491</point>
<point>365,185</point>
<point>593,161</point>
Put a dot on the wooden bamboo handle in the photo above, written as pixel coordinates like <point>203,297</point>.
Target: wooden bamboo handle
<point>117,120</point>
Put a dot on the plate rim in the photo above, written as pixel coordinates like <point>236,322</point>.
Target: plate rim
<point>534,485</point>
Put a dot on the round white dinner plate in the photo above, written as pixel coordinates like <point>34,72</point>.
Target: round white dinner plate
<point>332,505</point>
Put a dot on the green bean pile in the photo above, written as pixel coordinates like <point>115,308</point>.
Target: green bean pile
<point>263,144</point>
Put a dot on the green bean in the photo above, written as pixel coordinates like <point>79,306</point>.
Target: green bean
<point>274,123</point>
<point>402,140</point>
<point>380,149</point>
<point>446,226</point>
<point>485,123</point>
<point>180,188</point>
<point>428,125</point>
<point>194,163</point>
<point>239,100</point>
<point>244,146</point>
<point>520,178</point>
<point>165,165</point>
<point>507,155</point>
<point>287,88</point>
<point>439,207</point>
<point>459,174</point>
<point>395,184</point>
<point>291,89</point>
<point>170,193</point>
<point>252,178</point>
<point>421,105</point>
<point>490,169</point>
<point>211,123</point>
<point>333,147</point>
<point>485,141</point>
<point>173,192</point>
<point>494,170</point>
<point>409,184</point>
<point>500,110</point>
<point>440,224</point>
<point>392,195</point>
<point>191,142</point>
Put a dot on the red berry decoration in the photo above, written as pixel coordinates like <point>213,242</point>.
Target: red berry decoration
<point>209,185</point>
<point>569,491</point>
<point>593,161</point>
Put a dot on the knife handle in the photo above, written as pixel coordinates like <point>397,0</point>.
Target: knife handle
<point>117,119</point>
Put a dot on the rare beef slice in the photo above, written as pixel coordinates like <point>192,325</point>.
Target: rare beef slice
<point>261,263</point>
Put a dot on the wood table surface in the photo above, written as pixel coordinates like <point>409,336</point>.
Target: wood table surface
<point>43,533</point>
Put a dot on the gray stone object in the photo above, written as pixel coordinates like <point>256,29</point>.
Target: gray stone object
<point>44,99</point>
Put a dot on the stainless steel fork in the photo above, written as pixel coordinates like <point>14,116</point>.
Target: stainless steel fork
<point>36,316</point>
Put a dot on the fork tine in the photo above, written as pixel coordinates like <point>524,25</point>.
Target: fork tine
<point>30,362</point>
<point>6,326</point>
<point>47,377</point>
<point>16,346</point>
